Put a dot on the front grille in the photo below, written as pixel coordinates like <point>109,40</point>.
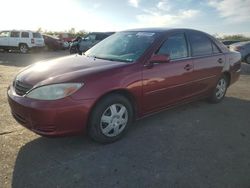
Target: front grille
<point>21,88</point>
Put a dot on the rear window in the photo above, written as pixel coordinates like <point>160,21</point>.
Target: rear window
<point>201,44</point>
<point>37,35</point>
<point>25,35</point>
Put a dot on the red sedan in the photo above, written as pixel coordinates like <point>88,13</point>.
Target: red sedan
<point>127,76</point>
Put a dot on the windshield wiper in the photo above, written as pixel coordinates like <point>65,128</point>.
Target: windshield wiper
<point>110,59</point>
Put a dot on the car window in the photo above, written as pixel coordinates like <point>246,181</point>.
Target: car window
<point>25,35</point>
<point>91,37</point>
<point>37,35</point>
<point>4,34</point>
<point>201,44</point>
<point>100,36</point>
<point>175,46</point>
<point>15,34</point>
<point>216,50</point>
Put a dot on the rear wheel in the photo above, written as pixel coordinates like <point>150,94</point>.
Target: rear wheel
<point>248,59</point>
<point>23,48</point>
<point>110,119</point>
<point>220,90</point>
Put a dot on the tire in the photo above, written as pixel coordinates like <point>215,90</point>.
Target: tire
<point>23,48</point>
<point>220,90</point>
<point>248,59</point>
<point>110,119</point>
<point>73,50</point>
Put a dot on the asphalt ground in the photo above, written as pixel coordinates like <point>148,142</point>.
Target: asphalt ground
<point>194,145</point>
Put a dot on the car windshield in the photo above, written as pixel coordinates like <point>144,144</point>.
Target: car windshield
<point>123,46</point>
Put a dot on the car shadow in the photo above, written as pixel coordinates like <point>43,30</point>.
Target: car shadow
<point>196,145</point>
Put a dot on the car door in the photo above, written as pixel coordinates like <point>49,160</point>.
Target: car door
<point>167,83</point>
<point>14,38</point>
<point>4,38</point>
<point>208,62</point>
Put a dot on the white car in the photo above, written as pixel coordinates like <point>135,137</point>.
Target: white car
<point>23,40</point>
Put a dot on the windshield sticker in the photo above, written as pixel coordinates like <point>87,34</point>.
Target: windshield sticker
<point>145,34</point>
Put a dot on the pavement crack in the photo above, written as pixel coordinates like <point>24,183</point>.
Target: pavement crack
<point>6,132</point>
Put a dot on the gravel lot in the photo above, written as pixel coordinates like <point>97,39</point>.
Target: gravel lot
<point>195,145</point>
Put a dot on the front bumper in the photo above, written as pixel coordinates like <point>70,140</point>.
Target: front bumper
<point>51,118</point>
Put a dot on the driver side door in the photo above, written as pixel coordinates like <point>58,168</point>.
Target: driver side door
<point>4,38</point>
<point>167,83</point>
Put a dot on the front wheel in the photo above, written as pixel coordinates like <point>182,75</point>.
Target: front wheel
<point>220,90</point>
<point>110,119</point>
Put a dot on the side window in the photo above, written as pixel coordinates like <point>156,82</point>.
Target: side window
<point>201,44</point>
<point>216,50</point>
<point>175,46</point>
<point>37,35</point>
<point>4,34</point>
<point>15,34</point>
<point>25,35</point>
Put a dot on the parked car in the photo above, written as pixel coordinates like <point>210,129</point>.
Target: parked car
<point>53,43</point>
<point>66,37</point>
<point>83,44</point>
<point>244,49</point>
<point>127,76</point>
<point>22,40</point>
<point>227,43</point>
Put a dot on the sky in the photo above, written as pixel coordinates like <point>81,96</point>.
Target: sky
<point>223,17</point>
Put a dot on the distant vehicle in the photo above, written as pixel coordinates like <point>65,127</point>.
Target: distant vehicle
<point>229,42</point>
<point>83,44</point>
<point>244,49</point>
<point>22,40</point>
<point>53,43</point>
<point>66,37</point>
<point>125,77</point>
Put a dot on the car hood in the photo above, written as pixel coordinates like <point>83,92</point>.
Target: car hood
<point>67,69</point>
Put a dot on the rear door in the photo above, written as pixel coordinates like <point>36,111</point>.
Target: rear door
<point>14,38</point>
<point>167,83</point>
<point>38,39</point>
<point>208,61</point>
<point>4,38</point>
<point>25,38</point>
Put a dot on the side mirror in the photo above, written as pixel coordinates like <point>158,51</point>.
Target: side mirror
<point>160,59</point>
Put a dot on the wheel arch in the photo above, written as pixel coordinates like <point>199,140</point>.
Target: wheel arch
<point>228,76</point>
<point>24,44</point>
<point>123,92</point>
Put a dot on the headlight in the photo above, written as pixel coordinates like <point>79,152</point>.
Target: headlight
<point>54,91</point>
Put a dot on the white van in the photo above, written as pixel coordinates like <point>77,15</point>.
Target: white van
<point>22,40</point>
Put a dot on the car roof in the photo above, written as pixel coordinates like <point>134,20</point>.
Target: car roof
<point>162,29</point>
<point>20,31</point>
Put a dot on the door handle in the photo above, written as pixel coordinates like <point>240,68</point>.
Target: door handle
<point>220,60</point>
<point>188,67</point>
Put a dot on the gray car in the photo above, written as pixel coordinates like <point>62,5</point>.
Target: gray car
<point>244,49</point>
<point>83,44</point>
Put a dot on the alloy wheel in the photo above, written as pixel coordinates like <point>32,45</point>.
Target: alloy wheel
<point>221,88</point>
